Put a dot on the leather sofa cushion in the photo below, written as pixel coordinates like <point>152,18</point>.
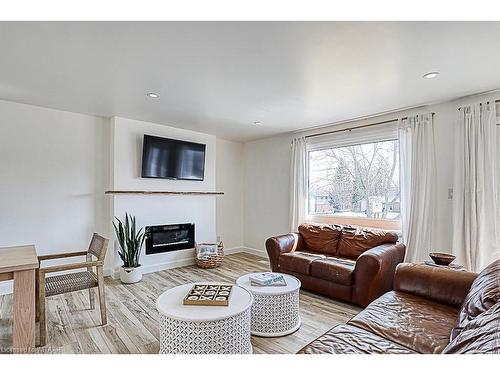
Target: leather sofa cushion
<point>321,238</point>
<point>355,241</point>
<point>481,335</point>
<point>413,322</point>
<point>298,261</point>
<point>339,271</point>
<point>483,294</point>
<point>325,287</point>
<point>347,339</point>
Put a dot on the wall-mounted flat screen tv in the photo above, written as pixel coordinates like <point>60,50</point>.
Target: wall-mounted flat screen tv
<point>172,159</point>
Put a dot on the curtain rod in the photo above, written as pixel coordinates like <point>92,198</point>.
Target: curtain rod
<point>496,102</point>
<point>357,127</point>
<point>368,125</point>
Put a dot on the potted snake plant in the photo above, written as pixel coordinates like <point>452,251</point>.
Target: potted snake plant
<point>130,241</point>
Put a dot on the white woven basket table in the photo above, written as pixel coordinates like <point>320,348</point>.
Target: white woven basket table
<point>275,310</point>
<point>188,329</point>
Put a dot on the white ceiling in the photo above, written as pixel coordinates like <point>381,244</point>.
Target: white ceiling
<point>220,77</point>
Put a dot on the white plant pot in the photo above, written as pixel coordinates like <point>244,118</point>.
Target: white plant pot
<point>130,275</point>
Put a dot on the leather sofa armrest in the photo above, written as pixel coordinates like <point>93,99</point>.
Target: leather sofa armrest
<point>441,285</point>
<point>285,243</point>
<point>374,272</point>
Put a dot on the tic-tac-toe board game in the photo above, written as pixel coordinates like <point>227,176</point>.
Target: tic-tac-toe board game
<point>208,295</point>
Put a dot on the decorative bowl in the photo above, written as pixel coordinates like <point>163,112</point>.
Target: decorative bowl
<point>442,259</point>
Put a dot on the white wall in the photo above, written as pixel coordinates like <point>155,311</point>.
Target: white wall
<point>267,188</point>
<point>126,159</point>
<point>56,165</point>
<point>53,172</point>
<point>229,179</point>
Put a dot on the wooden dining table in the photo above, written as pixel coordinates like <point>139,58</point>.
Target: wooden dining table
<point>19,263</point>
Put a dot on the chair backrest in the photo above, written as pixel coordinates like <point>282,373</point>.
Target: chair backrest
<point>98,246</point>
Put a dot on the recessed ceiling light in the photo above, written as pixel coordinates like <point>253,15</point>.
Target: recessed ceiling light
<point>257,123</point>
<point>431,75</point>
<point>152,95</point>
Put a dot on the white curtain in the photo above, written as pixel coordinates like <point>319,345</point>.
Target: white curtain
<point>475,201</point>
<point>418,184</point>
<point>298,184</point>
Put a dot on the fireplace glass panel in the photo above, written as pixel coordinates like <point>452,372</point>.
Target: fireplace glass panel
<point>164,238</point>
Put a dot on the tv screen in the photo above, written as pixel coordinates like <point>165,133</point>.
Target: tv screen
<point>173,159</point>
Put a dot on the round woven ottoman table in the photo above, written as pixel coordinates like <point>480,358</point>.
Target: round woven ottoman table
<point>188,329</point>
<point>275,310</point>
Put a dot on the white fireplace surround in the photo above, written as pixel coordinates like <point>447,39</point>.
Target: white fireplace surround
<point>125,170</point>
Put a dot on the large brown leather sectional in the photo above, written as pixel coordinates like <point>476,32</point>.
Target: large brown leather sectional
<point>430,310</point>
<point>348,263</point>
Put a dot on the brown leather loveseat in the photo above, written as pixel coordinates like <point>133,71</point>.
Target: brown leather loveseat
<point>430,310</point>
<point>348,263</point>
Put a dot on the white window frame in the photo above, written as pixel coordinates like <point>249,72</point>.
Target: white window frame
<point>363,136</point>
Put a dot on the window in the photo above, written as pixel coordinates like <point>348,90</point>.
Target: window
<point>355,184</point>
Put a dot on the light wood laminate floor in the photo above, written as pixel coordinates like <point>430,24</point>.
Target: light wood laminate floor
<point>72,327</point>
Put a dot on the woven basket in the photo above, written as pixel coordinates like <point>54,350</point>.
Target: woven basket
<point>212,261</point>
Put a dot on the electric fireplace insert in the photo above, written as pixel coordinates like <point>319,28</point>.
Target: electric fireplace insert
<point>165,238</point>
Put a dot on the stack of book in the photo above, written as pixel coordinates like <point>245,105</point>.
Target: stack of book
<point>267,279</point>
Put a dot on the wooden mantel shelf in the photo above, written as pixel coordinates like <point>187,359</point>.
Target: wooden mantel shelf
<point>164,192</point>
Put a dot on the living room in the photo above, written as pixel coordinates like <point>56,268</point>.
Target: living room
<point>187,187</point>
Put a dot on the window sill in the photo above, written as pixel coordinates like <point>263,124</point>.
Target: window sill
<point>385,224</point>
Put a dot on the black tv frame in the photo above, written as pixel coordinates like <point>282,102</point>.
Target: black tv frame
<point>178,141</point>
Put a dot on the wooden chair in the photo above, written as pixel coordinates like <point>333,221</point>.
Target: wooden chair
<point>71,282</point>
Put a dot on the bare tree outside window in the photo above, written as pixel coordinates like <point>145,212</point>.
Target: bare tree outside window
<point>356,181</point>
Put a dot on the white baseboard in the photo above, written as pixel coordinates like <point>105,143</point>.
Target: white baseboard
<point>167,265</point>
<point>258,252</point>
<point>245,249</point>
<point>234,250</point>
<point>108,271</point>
<point>6,286</point>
